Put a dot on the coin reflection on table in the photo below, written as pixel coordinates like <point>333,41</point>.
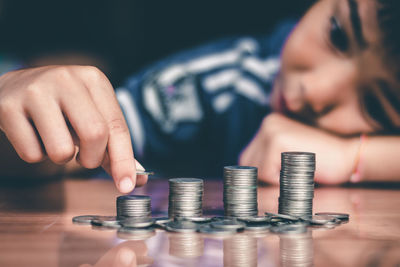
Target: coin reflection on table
<point>296,249</point>
<point>186,245</point>
<point>139,235</point>
<point>240,250</point>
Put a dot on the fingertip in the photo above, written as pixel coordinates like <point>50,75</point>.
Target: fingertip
<point>126,185</point>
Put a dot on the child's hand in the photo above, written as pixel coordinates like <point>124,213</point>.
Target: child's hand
<point>335,156</point>
<point>47,111</point>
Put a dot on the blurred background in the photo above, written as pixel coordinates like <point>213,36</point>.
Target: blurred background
<point>122,36</point>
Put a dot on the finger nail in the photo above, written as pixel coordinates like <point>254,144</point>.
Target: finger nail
<point>126,185</point>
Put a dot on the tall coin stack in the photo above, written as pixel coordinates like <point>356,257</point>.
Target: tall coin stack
<point>133,206</point>
<point>185,197</point>
<point>297,184</point>
<point>240,191</point>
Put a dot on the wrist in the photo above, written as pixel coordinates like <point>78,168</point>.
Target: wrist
<point>358,160</point>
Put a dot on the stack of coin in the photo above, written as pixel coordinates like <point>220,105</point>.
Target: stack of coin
<point>240,191</point>
<point>185,197</point>
<point>133,206</point>
<point>297,184</point>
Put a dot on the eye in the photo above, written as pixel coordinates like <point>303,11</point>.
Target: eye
<point>338,36</point>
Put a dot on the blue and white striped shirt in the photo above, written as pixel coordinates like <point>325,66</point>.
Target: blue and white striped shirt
<point>194,112</point>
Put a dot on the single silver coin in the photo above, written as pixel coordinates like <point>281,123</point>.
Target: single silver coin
<point>228,224</point>
<point>282,216</point>
<point>181,226</point>
<point>107,221</point>
<point>196,219</point>
<point>144,173</point>
<point>257,226</point>
<point>323,219</point>
<point>137,222</point>
<point>162,220</point>
<point>85,219</point>
<point>337,215</point>
<point>253,219</point>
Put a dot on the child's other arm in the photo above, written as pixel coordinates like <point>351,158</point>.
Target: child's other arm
<point>379,159</point>
<point>374,158</point>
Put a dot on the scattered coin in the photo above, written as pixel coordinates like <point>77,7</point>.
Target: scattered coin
<point>324,219</point>
<point>257,226</point>
<point>254,219</point>
<point>162,220</point>
<point>106,221</point>
<point>337,215</point>
<point>85,219</point>
<point>137,222</point>
<point>282,216</point>
<point>181,226</point>
<point>228,224</point>
<point>199,219</point>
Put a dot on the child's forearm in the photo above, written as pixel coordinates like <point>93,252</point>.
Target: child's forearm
<point>380,159</point>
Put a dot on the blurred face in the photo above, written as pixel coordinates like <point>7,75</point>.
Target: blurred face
<point>332,73</point>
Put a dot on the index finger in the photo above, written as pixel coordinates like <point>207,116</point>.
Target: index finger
<point>119,145</point>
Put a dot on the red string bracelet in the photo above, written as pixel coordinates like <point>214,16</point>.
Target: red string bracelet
<point>356,174</point>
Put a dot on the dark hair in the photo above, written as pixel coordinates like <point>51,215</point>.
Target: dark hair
<point>388,15</point>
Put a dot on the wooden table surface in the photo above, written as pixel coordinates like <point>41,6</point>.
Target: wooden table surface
<point>36,229</point>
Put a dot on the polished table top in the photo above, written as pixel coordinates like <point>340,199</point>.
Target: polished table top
<point>36,229</point>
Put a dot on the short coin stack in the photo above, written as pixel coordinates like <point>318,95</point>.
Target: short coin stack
<point>240,191</point>
<point>185,197</point>
<point>297,184</point>
<point>133,206</point>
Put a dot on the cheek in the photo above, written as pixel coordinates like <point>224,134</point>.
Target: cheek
<point>331,83</point>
